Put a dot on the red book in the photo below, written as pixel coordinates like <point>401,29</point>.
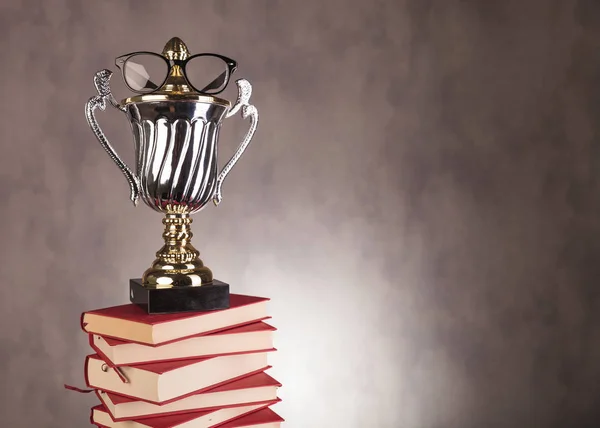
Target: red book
<point>250,337</point>
<point>131,323</point>
<point>254,389</point>
<point>166,381</point>
<point>204,419</point>
<point>265,418</point>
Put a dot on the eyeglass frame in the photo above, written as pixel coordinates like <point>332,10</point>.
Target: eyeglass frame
<point>231,67</point>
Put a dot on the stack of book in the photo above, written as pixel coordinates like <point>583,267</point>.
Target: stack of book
<point>192,370</point>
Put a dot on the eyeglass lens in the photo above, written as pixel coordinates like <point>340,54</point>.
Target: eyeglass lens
<point>208,74</point>
<point>145,73</point>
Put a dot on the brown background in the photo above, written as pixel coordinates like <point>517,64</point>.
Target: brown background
<point>421,203</point>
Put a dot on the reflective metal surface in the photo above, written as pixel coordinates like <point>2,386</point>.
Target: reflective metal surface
<point>101,81</point>
<point>243,103</point>
<point>176,164</point>
<point>176,152</point>
<point>177,263</point>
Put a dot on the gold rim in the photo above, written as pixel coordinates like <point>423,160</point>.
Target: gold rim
<point>176,97</point>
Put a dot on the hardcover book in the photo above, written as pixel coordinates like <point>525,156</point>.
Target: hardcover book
<point>131,323</point>
<point>264,418</point>
<point>204,419</point>
<point>254,389</point>
<point>251,337</point>
<point>162,382</point>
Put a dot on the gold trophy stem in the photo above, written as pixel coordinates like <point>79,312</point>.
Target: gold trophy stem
<point>178,263</point>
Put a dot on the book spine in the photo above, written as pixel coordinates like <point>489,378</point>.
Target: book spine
<point>82,323</point>
<point>85,372</point>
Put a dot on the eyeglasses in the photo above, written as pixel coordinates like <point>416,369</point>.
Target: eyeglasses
<point>145,72</point>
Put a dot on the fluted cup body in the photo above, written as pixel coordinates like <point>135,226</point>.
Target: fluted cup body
<point>176,152</point>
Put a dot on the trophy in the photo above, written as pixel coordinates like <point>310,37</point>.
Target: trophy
<point>175,118</point>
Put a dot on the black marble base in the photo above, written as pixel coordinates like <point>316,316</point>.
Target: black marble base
<point>180,299</point>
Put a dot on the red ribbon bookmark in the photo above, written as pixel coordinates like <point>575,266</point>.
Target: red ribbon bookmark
<point>74,388</point>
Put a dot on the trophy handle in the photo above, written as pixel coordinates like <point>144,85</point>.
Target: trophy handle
<point>248,110</point>
<point>101,81</point>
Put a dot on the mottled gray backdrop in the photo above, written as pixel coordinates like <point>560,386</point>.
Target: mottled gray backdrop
<point>421,203</point>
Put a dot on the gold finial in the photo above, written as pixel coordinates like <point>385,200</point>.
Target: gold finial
<point>175,49</point>
<point>176,82</point>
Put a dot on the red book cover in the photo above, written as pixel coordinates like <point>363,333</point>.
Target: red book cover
<point>100,416</point>
<point>132,312</point>
<point>253,389</point>
<point>133,315</point>
<point>254,380</point>
<point>167,366</point>
<point>245,328</point>
<point>250,337</point>
<point>260,417</point>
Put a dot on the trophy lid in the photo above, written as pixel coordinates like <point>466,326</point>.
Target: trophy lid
<point>176,86</point>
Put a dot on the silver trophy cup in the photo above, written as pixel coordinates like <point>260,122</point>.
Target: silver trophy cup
<point>175,133</point>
